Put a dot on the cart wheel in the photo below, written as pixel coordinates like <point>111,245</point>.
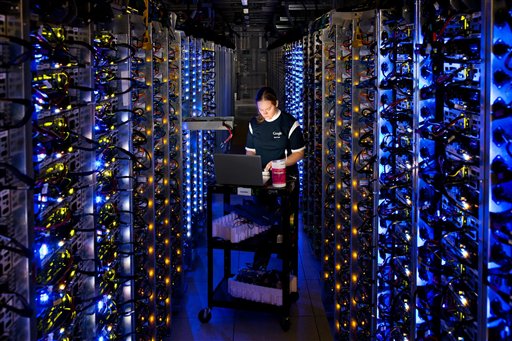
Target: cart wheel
<point>205,315</point>
<point>294,296</point>
<point>285,323</point>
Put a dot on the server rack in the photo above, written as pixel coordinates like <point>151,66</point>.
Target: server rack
<point>451,172</point>
<point>294,90</point>
<point>93,175</point>
<point>348,170</point>
<point>113,200</point>
<point>312,191</point>
<point>162,172</point>
<point>64,172</point>
<point>177,179</point>
<point>438,233</point>
<point>496,253</point>
<point>341,147</point>
<point>396,241</point>
<point>209,94</point>
<point>328,155</point>
<point>16,195</point>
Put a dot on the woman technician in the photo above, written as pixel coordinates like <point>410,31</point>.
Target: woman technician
<point>275,135</point>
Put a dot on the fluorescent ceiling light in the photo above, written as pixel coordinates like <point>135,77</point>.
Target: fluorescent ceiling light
<point>246,11</point>
<point>244,2</point>
<point>283,18</point>
<point>294,7</point>
<point>283,26</point>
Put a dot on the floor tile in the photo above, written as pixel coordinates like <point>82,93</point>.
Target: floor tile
<point>219,328</point>
<point>257,327</point>
<point>315,294</point>
<point>324,327</point>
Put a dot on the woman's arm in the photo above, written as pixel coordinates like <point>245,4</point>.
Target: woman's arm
<point>294,158</point>
<point>290,160</point>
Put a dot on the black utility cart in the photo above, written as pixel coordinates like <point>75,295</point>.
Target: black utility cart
<point>249,219</point>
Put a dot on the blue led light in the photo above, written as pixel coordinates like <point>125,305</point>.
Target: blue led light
<point>43,251</point>
<point>44,298</point>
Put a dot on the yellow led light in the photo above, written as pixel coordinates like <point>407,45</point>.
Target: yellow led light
<point>354,278</point>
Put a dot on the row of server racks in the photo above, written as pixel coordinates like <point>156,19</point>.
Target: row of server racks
<point>100,183</point>
<point>406,114</point>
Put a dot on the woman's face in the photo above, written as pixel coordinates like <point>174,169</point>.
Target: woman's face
<point>266,109</point>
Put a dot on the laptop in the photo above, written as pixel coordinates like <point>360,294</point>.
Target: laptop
<point>238,169</point>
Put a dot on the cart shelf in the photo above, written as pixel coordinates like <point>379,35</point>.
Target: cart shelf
<point>280,239</point>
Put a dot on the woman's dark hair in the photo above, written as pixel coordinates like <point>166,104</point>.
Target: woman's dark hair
<point>266,94</point>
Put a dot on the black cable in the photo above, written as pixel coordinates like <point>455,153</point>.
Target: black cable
<point>27,115</point>
<point>21,176</point>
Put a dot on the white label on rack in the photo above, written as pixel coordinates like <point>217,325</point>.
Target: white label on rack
<point>243,191</point>
<point>125,99</point>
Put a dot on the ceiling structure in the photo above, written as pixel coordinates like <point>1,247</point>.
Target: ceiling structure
<point>223,20</point>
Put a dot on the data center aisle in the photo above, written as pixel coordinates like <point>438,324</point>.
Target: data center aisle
<point>309,320</point>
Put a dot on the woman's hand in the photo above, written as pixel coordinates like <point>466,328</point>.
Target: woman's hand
<point>268,167</point>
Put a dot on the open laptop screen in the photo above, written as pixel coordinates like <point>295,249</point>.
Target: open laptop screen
<point>238,169</point>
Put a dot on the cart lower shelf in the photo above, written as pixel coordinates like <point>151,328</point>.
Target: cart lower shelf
<point>222,298</point>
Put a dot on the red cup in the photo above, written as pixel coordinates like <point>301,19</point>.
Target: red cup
<point>278,173</point>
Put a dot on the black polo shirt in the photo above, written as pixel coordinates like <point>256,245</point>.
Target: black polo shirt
<point>270,139</point>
